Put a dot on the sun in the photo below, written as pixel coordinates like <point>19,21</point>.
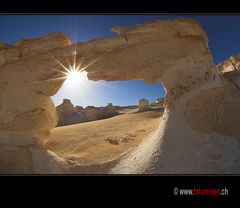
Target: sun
<point>75,73</point>
<point>75,77</point>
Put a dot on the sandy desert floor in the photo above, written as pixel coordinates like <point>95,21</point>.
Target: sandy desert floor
<point>105,140</point>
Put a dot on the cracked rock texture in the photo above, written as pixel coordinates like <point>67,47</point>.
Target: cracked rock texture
<point>199,129</point>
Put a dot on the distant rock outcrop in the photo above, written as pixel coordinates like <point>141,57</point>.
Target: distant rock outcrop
<point>230,64</point>
<point>143,105</point>
<point>230,69</point>
<point>68,114</point>
<point>109,111</point>
<point>158,102</point>
<point>79,108</point>
<point>92,113</point>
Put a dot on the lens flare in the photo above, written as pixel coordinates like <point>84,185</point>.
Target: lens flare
<point>75,76</point>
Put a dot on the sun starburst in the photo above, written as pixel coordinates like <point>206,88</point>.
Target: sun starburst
<point>75,71</point>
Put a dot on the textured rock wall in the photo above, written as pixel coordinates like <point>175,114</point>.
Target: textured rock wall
<point>27,113</point>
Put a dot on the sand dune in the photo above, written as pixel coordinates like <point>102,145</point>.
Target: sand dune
<point>104,140</point>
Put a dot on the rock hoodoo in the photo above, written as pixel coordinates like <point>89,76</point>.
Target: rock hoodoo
<point>109,111</point>
<point>143,105</point>
<point>68,114</point>
<point>198,132</point>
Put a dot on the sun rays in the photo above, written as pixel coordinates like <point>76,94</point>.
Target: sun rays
<point>76,67</point>
<point>75,76</point>
<point>76,84</point>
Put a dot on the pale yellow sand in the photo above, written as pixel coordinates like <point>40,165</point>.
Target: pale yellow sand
<point>86,143</point>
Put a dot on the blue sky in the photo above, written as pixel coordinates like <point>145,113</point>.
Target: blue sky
<point>222,30</point>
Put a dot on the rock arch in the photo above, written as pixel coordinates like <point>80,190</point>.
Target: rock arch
<point>196,134</point>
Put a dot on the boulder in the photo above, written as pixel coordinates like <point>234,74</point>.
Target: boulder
<point>143,105</point>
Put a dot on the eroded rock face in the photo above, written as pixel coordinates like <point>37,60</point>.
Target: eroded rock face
<point>230,69</point>
<point>4,46</point>
<point>160,102</point>
<point>175,52</point>
<point>233,63</point>
<point>143,105</point>
<point>92,113</point>
<point>79,108</point>
<point>110,107</point>
<point>27,80</point>
<point>68,114</point>
<point>109,111</point>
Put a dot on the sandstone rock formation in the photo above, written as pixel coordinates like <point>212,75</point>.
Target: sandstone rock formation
<point>110,107</point>
<point>230,69</point>
<point>160,101</point>
<point>4,46</point>
<point>28,77</point>
<point>109,111</point>
<point>143,105</point>
<point>233,63</point>
<point>79,108</point>
<point>92,113</point>
<point>199,130</point>
<point>68,114</point>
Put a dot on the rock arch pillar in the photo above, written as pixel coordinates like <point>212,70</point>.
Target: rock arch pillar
<point>27,114</point>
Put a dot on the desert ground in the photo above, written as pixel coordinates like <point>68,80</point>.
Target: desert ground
<point>102,141</point>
